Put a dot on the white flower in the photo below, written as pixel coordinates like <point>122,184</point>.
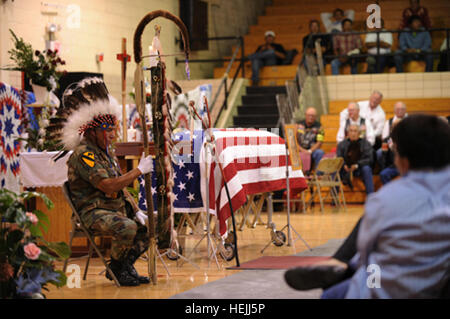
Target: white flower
<point>52,83</point>
<point>45,122</point>
<point>41,141</point>
<point>41,131</point>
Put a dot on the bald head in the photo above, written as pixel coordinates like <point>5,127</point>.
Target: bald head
<point>310,116</point>
<point>400,109</point>
<point>353,110</point>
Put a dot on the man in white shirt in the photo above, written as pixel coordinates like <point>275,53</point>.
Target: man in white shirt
<point>378,59</point>
<point>372,111</point>
<point>353,118</point>
<point>399,114</point>
<point>333,21</point>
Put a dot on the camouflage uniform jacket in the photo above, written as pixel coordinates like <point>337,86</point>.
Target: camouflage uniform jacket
<point>87,166</point>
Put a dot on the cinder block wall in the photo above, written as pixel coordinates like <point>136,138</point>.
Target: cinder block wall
<point>102,26</point>
<point>104,23</point>
<point>392,85</point>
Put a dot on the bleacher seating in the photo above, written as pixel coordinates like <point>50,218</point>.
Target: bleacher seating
<point>289,19</point>
<point>330,122</point>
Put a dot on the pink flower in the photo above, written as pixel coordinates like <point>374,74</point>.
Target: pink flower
<point>32,251</point>
<point>32,217</point>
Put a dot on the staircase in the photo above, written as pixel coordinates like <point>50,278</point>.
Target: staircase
<point>259,107</point>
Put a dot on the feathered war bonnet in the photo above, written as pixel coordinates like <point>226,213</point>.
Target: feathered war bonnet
<point>87,105</point>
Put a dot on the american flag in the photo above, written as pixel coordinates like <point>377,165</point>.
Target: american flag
<point>253,161</point>
<point>188,198</point>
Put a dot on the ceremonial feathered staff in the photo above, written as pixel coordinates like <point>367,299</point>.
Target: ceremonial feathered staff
<point>161,135</point>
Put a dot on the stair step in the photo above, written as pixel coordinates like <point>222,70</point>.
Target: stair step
<point>263,120</point>
<point>259,99</point>
<point>257,110</point>
<point>266,89</point>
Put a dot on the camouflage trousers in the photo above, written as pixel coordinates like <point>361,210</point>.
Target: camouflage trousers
<point>126,233</point>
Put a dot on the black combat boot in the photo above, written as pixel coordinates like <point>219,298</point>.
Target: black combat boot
<point>132,256</point>
<point>120,270</point>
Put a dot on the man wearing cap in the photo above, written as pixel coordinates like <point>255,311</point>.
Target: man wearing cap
<point>269,53</point>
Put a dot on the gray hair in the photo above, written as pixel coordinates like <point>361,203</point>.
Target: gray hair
<point>378,92</point>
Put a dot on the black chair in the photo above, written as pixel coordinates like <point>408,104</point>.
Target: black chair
<point>79,230</point>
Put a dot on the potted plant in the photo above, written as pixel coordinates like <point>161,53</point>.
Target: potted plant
<point>40,67</point>
<point>26,258</point>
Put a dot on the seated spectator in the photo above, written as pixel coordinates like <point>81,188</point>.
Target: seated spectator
<point>346,44</point>
<point>378,58</point>
<point>353,117</point>
<point>357,155</point>
<point>415,9</point>
<point>269,53</point>
<point>310,136</point>
<point>405,227</point>
<point>399,113</point>
<point>417,43</point>
<point>444,59</point>
<point>309,47</point>
<point>386,158</point>
<point>333,21</point>
<point>374,114</point>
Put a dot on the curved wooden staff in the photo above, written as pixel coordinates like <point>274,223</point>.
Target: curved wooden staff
<point>161,128</point>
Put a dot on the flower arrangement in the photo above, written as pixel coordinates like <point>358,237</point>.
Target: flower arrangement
<point>26,258</point>
<point>37,135</point>
<point>40,67</point>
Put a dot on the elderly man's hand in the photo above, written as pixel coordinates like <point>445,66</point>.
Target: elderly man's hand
<point>146,164</point>
<point>141,217</point>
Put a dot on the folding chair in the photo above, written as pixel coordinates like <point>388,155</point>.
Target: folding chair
<point>79,230</point>
<point>330,178</point>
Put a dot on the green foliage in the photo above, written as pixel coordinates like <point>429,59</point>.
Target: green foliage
<point>21,273</point>
<point>40,67</point>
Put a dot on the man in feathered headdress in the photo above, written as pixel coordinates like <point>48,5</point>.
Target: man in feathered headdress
<point>87,124</point>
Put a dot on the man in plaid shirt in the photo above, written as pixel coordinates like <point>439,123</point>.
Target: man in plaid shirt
<point>346,44</point>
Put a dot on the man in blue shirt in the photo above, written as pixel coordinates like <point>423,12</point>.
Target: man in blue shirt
<point>403,239</point>
<point>417,43</point>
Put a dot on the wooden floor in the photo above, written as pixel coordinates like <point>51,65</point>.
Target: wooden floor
<point>316,228</point>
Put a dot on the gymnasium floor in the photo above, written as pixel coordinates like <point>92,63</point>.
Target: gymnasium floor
<point>316,228</point>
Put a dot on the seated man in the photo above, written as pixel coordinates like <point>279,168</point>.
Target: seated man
<point>311,61</point>
<point>378,58</point>
<point>352,116</point>
<point>310,136</point>
<point>415,9</point>
<point>386,158</point>
<point>96,183</point>
<point>333,21</point>
<point>269,53</point>
<point>415,41</point>
<point>374,114</point>
<point>405,230</point>
<point>357,155</point>
<point>399,113</point>
<point>346,44</point>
